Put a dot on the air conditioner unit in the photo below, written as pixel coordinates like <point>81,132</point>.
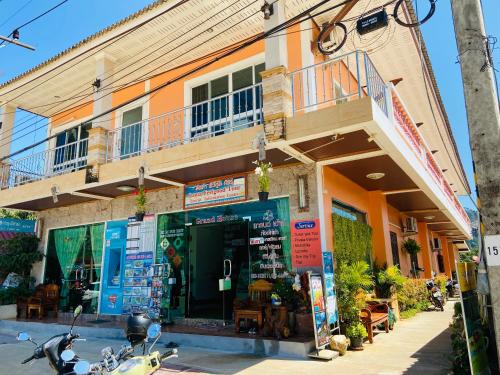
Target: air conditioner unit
<point>410,225</point>
<point>436,244</point>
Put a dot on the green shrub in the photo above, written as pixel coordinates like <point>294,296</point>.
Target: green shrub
<point>388,281</point>
<point>353,240</point>
<point>413,295</point>
<point>9,296</point>
<point>440,282</point>
<point>18,254</point>
<point>356,330</point>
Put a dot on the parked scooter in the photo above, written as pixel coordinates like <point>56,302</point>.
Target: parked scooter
<point>57,349</point>
<point>451,288</point>
<point>435,295</point>
<point>139,331</point>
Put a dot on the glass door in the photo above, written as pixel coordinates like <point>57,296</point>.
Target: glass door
<point>71,149</point>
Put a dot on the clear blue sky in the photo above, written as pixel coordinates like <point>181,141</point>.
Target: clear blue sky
<point>77,19</point>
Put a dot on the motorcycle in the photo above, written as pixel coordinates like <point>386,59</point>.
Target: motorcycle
<point>451,288</point>
<point>56,349</point>
<point>435,295</point>
<point>145,364</point>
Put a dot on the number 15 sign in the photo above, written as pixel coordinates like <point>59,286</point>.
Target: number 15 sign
<point>492,249</point>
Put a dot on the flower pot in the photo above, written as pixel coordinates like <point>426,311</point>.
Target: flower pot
<point>356,343</point>
<point>139,216</point>
<point>263,196</point>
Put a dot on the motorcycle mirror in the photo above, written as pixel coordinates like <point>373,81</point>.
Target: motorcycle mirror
<point>154,331</point>
<point>67,355</point>
<point>77,311</point>
<point>23,336</point>
<point>81,368</point>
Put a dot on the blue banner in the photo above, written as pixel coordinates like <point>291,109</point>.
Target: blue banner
<point>232,189</point>
<point>17,225</point>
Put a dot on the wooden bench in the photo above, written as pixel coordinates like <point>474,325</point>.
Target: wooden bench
<point>373,315</point>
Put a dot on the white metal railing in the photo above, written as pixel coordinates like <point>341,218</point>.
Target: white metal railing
<point>45,164</point>
<point>340,79</point>
<point>221,115</point>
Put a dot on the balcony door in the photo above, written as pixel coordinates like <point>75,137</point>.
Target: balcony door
<point>131,133</point>
<point>71,149</point>
<point>226,103</point>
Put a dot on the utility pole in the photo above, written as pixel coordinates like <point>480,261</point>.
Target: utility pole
<point>483,119</point>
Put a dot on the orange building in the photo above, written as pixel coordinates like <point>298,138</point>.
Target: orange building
<point>185,97</point>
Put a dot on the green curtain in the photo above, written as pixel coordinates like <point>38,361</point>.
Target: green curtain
<point>69,242</point>
<point>96,242</point>
<point>284,214</point>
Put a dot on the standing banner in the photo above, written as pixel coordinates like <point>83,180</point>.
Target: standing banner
<point>477,343</point>
<point>306,243</point>
<point>321,328</point>
<point>330,293</point>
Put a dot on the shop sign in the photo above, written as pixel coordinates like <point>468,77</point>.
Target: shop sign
<point>226,190</point>
<point>321,328</point>
<point>306,243</point>
<point>17,225</point>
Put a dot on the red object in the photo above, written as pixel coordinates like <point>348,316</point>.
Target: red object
<point>306,243</point>
<point>170,252</point>
<point>112,298</point>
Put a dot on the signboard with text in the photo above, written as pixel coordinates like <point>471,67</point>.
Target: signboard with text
<point>306,243</point>
<point>492,249</point>
<point>17,225</point>
<point>321,329</point>
<point>226,190</point>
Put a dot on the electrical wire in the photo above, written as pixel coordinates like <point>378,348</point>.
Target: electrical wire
<point>36,18</point>
<point>292,21</point>
<point>15,13</point>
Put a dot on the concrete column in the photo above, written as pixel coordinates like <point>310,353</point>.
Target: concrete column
<point>98,147</point>
<point>451,256</point>
<point>379,221</point>
<point>423,240</point>
<point>7,119</point>
<point>277,102</point>
<point>103,71</point>
<point>276,47</point>
<point>446,255</point>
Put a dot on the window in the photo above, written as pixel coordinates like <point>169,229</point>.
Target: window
<point>131,133</point>
<point>70,153</point>
<point>395,249</point>
<point>214,112</point>
<point>348,212</point>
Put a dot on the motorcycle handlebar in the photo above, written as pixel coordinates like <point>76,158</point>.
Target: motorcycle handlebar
<point>168,354</point>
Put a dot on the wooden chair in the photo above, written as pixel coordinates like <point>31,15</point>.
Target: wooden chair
<point>35,302</point>
<point>51,298</point>
<point>373,315</point>
<point>259,293</point>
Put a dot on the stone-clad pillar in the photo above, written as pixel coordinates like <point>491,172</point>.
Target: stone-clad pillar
<point>277,102</point>
<point>98,147</point>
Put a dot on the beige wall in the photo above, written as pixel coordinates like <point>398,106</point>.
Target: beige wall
<point>170,200</point>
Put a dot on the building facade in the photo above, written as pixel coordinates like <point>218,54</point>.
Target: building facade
<point>185,98</point>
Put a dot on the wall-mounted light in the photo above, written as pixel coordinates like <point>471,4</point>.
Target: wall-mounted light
<point>267,9</point>
<point>303,192</point>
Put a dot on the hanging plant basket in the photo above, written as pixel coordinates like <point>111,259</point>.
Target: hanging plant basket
<point>263,196</point>
<point>139,216</point>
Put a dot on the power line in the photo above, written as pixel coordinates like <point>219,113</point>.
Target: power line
<point>36,18</point>
<point>15,13</point>
<point>294,20</point>
<point>71,105</point>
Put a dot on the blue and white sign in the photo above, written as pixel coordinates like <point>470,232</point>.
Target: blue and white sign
<point>17,225</point>
<point>330,292</point>
<point>214,192</point>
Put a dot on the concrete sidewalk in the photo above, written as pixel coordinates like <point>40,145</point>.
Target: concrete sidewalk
<point>420,345</point>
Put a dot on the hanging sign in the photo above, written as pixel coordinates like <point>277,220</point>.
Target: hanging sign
<point>231,189</point>
<point>321,329</point>
<point>306,243</point>
<point>17,225</point>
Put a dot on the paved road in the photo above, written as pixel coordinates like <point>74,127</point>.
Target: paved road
<point>420,345</point>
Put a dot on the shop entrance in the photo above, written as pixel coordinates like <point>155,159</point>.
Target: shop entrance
<point>213,249</point>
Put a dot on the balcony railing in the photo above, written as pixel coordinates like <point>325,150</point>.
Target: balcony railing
<point>45,164</point>
<point>221,115</point>
<point>410,132</point>
<point>341,79</point>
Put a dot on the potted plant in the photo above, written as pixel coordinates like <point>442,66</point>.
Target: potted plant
<point>141,202</point>
<point>411,246</point>
<point>356,332</point>
<point>388,281</point>
<point>262,170</point>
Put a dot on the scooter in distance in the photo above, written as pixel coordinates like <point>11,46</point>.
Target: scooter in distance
<point>435,295</point>
<point>145,364</point>
<point>57,349</point>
